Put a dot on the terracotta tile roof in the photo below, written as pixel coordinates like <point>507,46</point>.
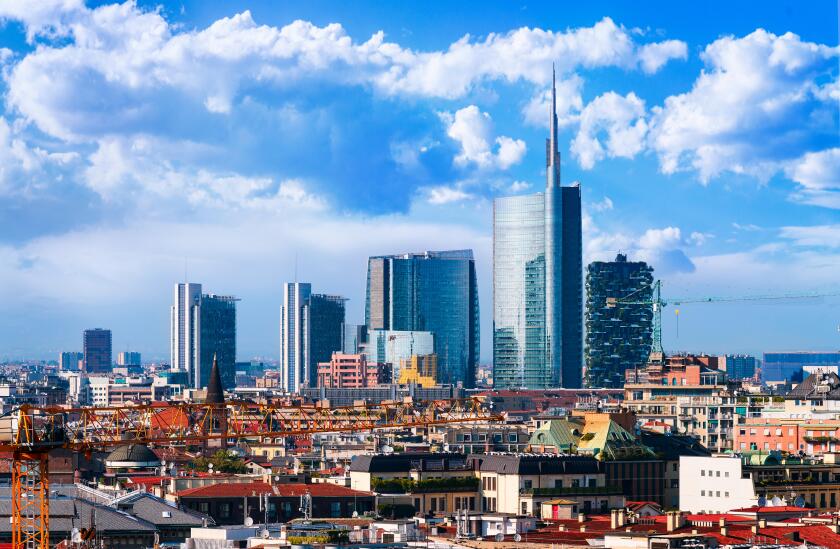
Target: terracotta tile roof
<point>280,490</point>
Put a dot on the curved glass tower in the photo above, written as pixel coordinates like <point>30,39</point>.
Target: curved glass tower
<point>538,283</point>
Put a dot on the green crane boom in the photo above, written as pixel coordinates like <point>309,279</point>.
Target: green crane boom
<point>658,303</point>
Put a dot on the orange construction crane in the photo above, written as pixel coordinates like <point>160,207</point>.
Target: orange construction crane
<point>33,431</point>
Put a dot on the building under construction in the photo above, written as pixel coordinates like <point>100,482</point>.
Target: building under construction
<point>618,338</point>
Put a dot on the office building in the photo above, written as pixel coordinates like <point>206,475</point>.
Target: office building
<point>538,283</point>
<point>739,366</point>
<point>70,361</point>
<point>217,338</point>
<point>97,351</point>
<point>128,358</point>
<point>790,366</point>
<point>184,322</point>
<point>618,335</point>
<point>203,325</point>
<point>311,330</point>
<point>396,346</point>
<point>355,336</point>
<point>432,292</point>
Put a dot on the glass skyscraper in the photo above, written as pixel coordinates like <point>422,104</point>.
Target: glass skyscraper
<point>203,325</point>
<point>97,351</point>
<point>538,283</point>
<point>430,292</point>
<point>217,331</point>
<point>790,366</point>
<point>311,330</point>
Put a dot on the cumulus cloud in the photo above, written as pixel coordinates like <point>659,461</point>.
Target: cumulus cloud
<point>818,174</point>
<point>610,125</point>
<point>653,57</point>
<point>473,131</point>
<point>604,205</point>
<point>445,195</point>
<point>747,110</point>
<point>569,103</point>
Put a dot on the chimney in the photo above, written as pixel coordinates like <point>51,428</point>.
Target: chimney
<point>762,523</point>
<point>614,519</point>
<point>622,517</point>
<point>583,528</point>
<point>754,528</point>
<point>581,517</point>
<point>724,529</point>
<point>722,522</point>
<point>561,528</point>
<point>673,520</point>
<point>834,527</point>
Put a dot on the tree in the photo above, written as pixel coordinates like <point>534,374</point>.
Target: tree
<point>223,462</point>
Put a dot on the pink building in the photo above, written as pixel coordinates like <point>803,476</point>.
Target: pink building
<point>348,371</point>
<point>788,435</point>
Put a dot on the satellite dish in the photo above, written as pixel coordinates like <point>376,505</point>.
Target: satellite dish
<point>500,537</point>
<point>777,501</point>
<point>799,501</point>
<point>76,536</point>
<point>762,501</point>
<point>264,534</point>
<point>355,514</point>
<point>249,521</point>
<point>517,538</point>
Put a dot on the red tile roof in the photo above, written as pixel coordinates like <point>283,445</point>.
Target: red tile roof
<point>243,489</point>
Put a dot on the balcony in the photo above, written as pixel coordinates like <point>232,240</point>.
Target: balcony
<point>573,491</point>
<point>405,486</point>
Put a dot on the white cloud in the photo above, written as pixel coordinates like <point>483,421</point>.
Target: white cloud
<point>445,195</point>
<point>569,104</point>
<point>519,186</point>
<point>754,107</point>
<point>818,175</point>
<point>22,165</point>
<point>698,239</point>
<point>129,169</point>
<point>667,238</point>
<point>133,56</point>
<point>610,125</point>
<point>604,205</point>
<point>653,57</point>
<point>821,236</point>
<point>473,130</point>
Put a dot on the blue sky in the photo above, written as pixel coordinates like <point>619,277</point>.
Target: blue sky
<point>231,137</point>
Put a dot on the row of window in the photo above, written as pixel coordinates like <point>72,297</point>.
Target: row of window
<point>482,437</point>
<point>713,473</point>
<point>715,494</point>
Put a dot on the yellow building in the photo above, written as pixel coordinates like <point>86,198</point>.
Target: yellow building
<point>419,369</point>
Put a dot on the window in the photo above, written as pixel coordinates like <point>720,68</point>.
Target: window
<point>702,492</point>
<point>767,432</point>
<point>512,437</point>
<point>717,474</point>
<point>558,483</point>
<point>726,494</point>
<point>743,446</point>
<point>524,507</point>
<point>752,431</point>
<point>790,431</point>
<point>335,509</point>
<point>726,474</point>
<point>224,510</point>
<point>778,432</point>
<point>443,504</point>
<point>702,472</point>
<point>717,494</point>
<point>592,483</point>
<point>527,484</point>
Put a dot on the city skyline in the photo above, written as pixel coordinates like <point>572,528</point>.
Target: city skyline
<point>112,204</point>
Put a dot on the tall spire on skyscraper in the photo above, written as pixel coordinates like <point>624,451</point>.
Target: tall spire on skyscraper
<point>552,155</point>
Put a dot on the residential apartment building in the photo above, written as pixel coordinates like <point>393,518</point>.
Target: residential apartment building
<point>721,483</point>
<point>350,371</point>
<point>618,335</point>
<point>811,437</point>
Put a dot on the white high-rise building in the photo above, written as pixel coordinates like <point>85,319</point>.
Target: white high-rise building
<point>185,351</point>
<point>294,335</point>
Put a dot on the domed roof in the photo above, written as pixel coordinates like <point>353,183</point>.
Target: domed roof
<point>135,454</point>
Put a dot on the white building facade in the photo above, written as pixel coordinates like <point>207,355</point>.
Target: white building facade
<point>714,484</point>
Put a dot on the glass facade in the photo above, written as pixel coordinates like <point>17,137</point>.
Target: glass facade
<point>394,346</point>
<point>789,366</point>
<point>519,339</point>
<point>97,351</point>
<point>432,292</point>
<point>217,330</point>
<point>326,330</point>
<point>538,283</point>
